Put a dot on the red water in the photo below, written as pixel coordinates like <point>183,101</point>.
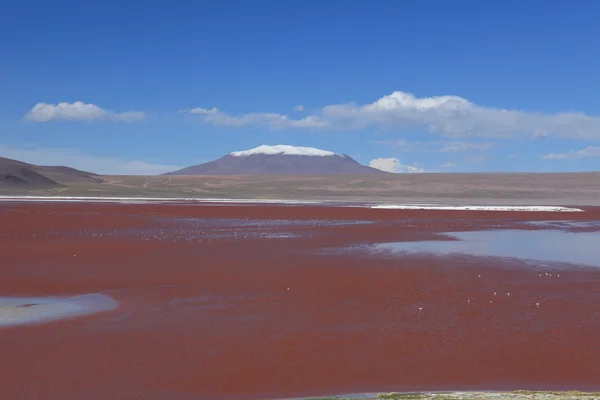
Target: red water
<point>231,312</point>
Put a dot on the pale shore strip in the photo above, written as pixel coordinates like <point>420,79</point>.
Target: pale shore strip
<point>148,199</point>
<point>373,205</point>
<point>476,208</point>
<point>467,395</point>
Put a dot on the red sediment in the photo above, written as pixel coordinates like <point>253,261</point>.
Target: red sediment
<point>243,317</point>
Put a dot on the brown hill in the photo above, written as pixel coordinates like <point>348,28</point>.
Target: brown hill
<point>18,173</point>
<point>68,175</point>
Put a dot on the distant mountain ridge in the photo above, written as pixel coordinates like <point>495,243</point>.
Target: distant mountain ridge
<point>18,173</point>
<point>280,160</point>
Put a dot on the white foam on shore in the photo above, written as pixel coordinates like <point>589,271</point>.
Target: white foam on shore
<point>475,208</point>
<point>32,310</point>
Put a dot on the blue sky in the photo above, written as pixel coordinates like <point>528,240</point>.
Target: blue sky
<point>144,87</point>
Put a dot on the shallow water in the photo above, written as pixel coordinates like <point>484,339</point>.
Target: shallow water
<point>242,317</point>
<point>553,246</point>
<point>29,310</point>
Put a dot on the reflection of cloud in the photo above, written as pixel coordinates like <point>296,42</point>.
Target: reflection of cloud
<point>541,245</point>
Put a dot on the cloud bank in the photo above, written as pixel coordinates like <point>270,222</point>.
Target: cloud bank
<point>446,115</point>
<point>78,111</point>
<point>394,165</point>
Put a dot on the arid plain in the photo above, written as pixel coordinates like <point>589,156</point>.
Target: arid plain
<point>483,188</point>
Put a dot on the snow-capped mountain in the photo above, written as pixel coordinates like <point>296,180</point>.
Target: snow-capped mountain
<point>280,160</point>
<point>285,150</point>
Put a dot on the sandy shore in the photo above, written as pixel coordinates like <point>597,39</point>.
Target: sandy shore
<point>233,302</point>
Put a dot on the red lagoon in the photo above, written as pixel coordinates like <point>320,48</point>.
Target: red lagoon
<point>264,302</point>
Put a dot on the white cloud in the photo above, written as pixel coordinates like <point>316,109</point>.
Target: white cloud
<point>590,151</point>
<point>394,165</point>
<point>78,111</point>
<point>456,116</point>
<point>202,111</point>
<point>76,159</point>
<point>272,120</point>
<point>446,115</point>
<point>299,108</point>
<point>448,165</point>
<point>453,147</point>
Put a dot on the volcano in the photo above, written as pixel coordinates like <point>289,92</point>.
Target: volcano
<point>281,160</point>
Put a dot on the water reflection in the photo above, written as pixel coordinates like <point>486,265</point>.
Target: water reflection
<point>28,310</point>
<point>540,245</point>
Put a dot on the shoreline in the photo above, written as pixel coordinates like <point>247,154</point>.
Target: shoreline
<point>366,204</point>
<point>472,395</point>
